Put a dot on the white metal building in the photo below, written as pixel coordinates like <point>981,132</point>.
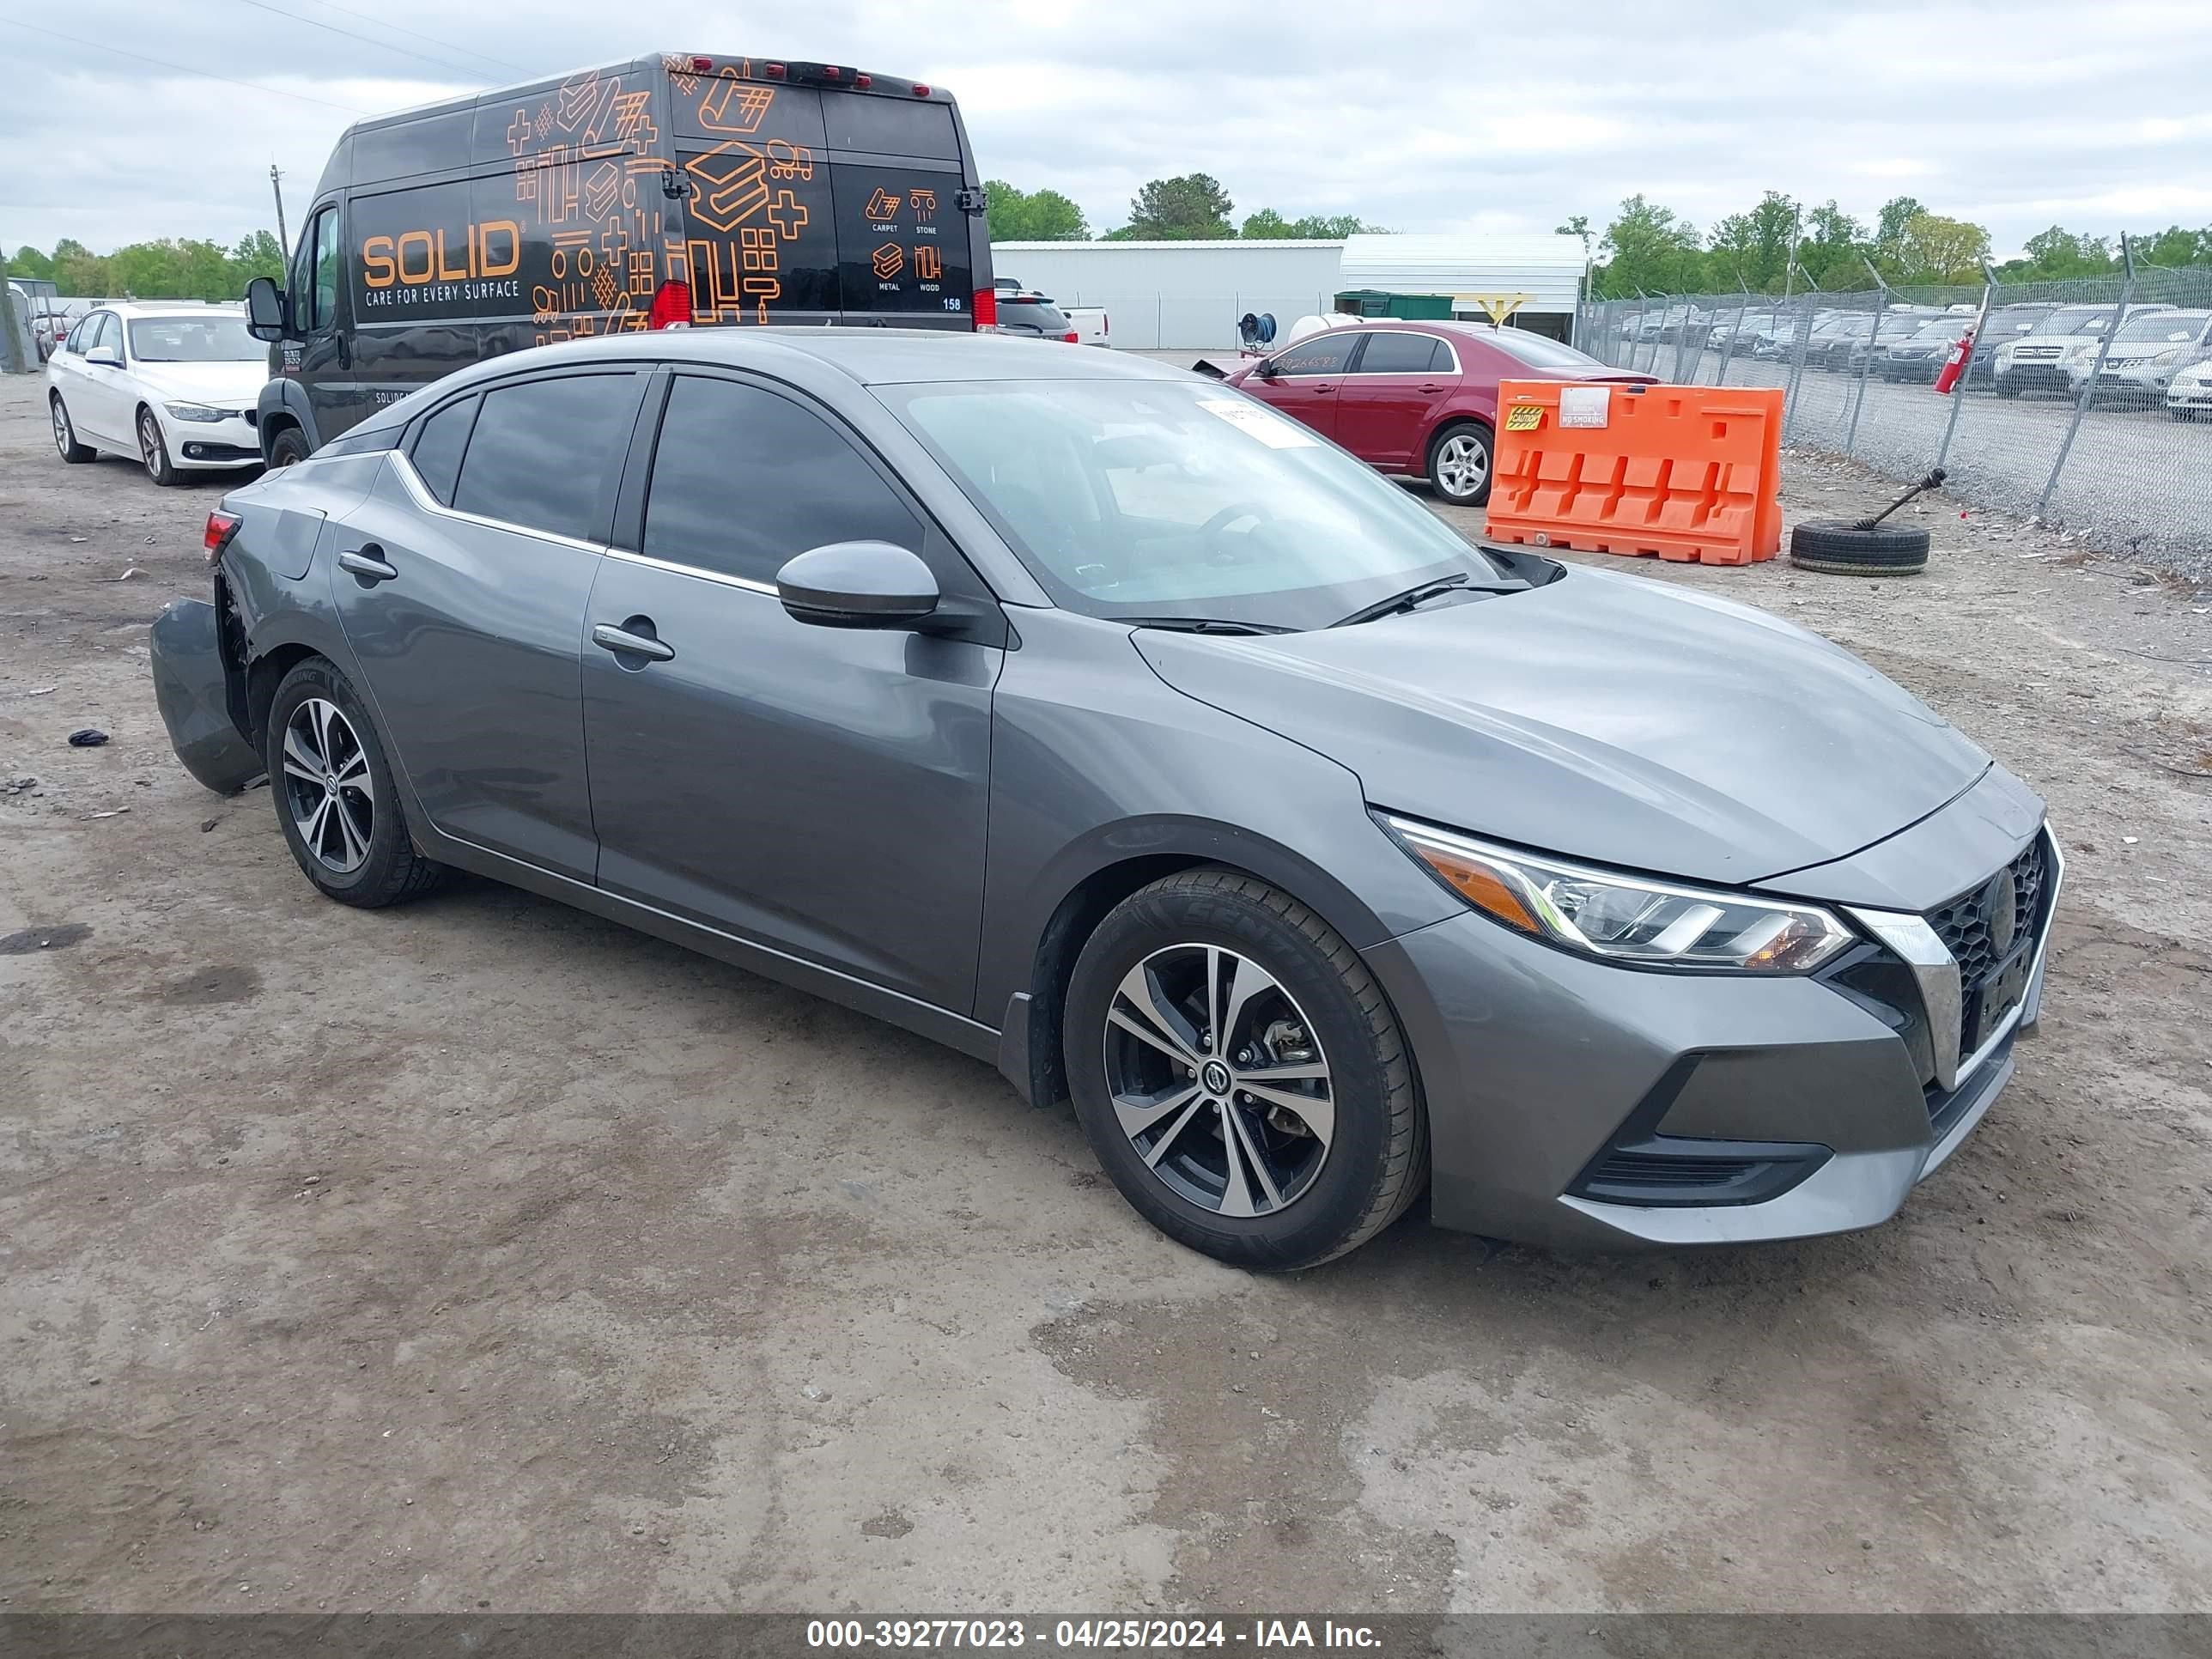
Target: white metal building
<point>1189,295</point>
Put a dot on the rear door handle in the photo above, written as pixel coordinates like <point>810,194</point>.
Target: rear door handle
<point>368,564</point>
<point>624,643</point>
<point>1429,390</point>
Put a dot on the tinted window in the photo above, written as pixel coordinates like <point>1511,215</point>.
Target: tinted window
<point>1325,354</point>
<point>889,126</point>
<point>1030,314</point>
<point>544,452</point>
<point>438,446</point>
<point>427,143</point>
<point>1399,354</point>
<point>743,480</point>
<point>323,271</point>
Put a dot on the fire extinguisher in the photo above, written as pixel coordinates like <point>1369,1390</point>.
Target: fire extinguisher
<point>1955,364</point>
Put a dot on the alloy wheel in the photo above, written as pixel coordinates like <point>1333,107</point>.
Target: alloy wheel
<point>65,439</point>
<point>1462,467</point>
<point>1218,1079</point>
<point>149,446</point>
<point>328,786</point>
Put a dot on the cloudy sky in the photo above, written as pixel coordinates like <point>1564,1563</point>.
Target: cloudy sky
<point>1413,115</point>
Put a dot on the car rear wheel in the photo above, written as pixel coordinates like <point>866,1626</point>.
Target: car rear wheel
<point>75,453</point>
<point>337,800</point>
<point>154,449</point>
<point>1240,1075</point>
<point>1458,465</point>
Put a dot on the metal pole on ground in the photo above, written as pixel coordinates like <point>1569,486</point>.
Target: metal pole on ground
<point>1802,337</point>
<point>1727,349</point>
<point>1866,368</point>
<point>1681,339</point>
<point>276,189</point>
<point>2089,384</point>
<point>1966,368</point>
<point>1636,330</point>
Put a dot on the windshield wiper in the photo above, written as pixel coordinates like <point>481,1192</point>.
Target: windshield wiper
<point>1422,591</point>
<point>1203,625</point>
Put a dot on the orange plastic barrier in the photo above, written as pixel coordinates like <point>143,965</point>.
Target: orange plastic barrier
<point>1683,472</point>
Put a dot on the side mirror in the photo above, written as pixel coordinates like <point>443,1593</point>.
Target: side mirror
<point>1266,370</point>
<point>103,357</point>
<point>265,309</point>
<point>858,585</point>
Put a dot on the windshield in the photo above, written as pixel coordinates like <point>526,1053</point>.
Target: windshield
<point>2175,327</point>
<point>217,339</point>
<point>1154,498</point>
<point>1537,350</point>
<point>2078,319</point>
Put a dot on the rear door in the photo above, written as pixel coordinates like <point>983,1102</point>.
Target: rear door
<point>1393,391</point>
<point>461,583</point>
<point>808,201</point>
<point>1306,377</point>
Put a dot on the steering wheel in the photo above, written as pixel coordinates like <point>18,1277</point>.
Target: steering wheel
<point>1211,529</point>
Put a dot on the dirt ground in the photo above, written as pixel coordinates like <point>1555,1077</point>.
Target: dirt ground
<point>481,1253</point>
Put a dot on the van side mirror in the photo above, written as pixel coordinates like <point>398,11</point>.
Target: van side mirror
<point>858,585</point>
<point>265,309</point>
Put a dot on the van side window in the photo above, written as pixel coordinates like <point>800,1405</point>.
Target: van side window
<point>326,269</point>
<point>437,452</point>
<point>546,453</point>
<point>744,480</point>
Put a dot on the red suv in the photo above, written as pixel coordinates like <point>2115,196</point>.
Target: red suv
<point>1415,397</point>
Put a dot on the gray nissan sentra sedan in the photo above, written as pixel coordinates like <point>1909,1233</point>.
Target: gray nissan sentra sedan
<point>1096,719</point>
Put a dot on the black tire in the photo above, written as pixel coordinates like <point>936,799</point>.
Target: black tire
<point>1374,1160</point>
<point>390,870</point>
<point>154,449</point>
<point>75,453</point>
<point>2175,412</point>
<point>1845,550</point>
<point>1440,468</point>
<point>287,449</point>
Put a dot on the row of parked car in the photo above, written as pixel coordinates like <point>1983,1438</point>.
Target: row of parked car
<point>2161,353</point>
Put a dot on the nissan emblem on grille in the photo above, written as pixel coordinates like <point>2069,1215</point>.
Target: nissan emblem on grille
<point>2002,909</point>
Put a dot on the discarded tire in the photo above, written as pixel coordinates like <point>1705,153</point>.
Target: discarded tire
<point>1846,550</point>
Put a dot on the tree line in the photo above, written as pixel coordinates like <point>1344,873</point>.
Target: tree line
<point>169,269</point>
<point>1649,247</point>
<point>1192,208</point>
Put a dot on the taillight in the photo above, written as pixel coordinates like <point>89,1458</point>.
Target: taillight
<point>864,82</point>
<point>987,307</point>
<point>920,90</point>
<point>700,66</point>
<point>774,71</point>
<point>1072,338</point>
<point>671,307</point>
<point>831,72</point>
<point>221,527</point>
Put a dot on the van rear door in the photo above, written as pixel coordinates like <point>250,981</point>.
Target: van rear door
<point>813,198</point>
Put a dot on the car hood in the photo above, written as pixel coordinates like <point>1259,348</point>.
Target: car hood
<point>223,385</point>
<point>1603,717</point>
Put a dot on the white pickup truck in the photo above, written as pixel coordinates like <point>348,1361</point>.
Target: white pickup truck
<point>1024,311</point>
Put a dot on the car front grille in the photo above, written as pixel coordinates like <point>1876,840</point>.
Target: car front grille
<point>1966,925</point>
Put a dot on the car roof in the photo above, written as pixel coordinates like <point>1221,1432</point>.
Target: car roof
<point>868,356</point>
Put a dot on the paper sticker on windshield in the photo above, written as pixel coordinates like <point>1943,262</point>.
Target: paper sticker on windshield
<point>1584,406</point>
<point>1524,417</point>
<point>1271,430</point>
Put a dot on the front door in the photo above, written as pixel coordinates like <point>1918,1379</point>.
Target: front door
<point>318,352</point>
<point>461,582</point>
<point>1305,379</point>
<point>1385,404</point>
<point>107,408</point>
<point>818,790</point>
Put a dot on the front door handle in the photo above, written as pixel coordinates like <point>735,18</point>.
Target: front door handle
<point>624,643</point>
<point>368,564</point>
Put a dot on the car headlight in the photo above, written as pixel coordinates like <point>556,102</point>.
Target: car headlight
<point>196,412</point>
<point>1621,918</point>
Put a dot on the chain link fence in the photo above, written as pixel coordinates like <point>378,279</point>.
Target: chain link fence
<point>2086,405</point>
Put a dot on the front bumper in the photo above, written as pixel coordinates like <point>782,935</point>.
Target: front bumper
<point>233,442</point>
<point>2048,375</point>
<point>1561,1091</point>
<point>2190,394</point>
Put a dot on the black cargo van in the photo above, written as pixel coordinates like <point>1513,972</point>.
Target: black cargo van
<point>671,190</point>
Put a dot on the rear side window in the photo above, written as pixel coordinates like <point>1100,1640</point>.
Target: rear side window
<point>1399,354</point>
<point>544,453</point>
<point>889,126</point>
<point>438,446</point>
<point>744,480</point>
<point>1032,314</point>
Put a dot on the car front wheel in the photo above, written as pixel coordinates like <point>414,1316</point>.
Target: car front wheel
<point>336,797</point>
<point>1458,465</point>
<point>1240,1075</point>
<point>75,453</point>
<point>287,449</point>
<point>154,449</point>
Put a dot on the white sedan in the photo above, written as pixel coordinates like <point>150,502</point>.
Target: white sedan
<point>174,383</point>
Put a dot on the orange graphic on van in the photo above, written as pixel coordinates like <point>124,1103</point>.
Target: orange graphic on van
<point>415,256</point>
<point>734,105</point>
<point>883,205</point>
<point>890,259</point>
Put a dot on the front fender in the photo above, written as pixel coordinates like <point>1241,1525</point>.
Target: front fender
<point>288,402</point>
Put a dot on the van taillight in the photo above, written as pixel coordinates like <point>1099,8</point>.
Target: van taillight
<point>774,71</point>
<point>920,90</point>
<point>987,307</point>
<point>863,82</point>
<point>671,307</point>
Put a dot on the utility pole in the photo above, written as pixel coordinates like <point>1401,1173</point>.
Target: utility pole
<point>276,188</point>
